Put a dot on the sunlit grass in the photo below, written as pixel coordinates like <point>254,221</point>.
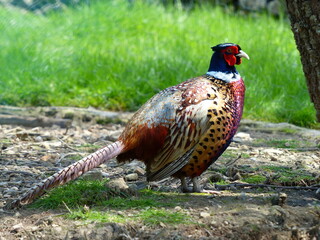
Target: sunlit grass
<point>98,56</point>
<point>95,193</point>
<point>93,201</point>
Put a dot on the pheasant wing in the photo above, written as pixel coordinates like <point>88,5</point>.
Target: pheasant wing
<point>191,121</point>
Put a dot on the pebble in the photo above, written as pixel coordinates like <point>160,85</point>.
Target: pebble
<point>213,222</point>
<point>38,139</point>
<point>254,159</point>
<point>117,183</point>
<point>140,171</point>
<point>34,228</point>
<point>243,195</point>
<point>178,209</point>
<point>237,176</point>
<point>273,159</point>
<point>17,214</point>
<point>162,224</point>
<point>204,214</point>
<point>17,227</point>
<point>241,137</point>
<point>132,177</point>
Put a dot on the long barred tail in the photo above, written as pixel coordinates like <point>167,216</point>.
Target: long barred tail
<point>69,173</point>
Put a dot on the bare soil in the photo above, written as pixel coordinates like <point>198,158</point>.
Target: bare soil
<point>31,154</point>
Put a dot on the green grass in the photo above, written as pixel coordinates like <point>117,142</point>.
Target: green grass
<point>286,176</point>
<point>112,55</point>
<point>95,215</point>
<point>149,216</point>
<point>254,179</point>
<point>94,193</point>
<point>77,193</point>
<point>92,201</point>
<point>277,175</point>
<point>157,216</point>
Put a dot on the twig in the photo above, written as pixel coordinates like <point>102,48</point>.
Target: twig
<point>66,206</point>
<point>244,185</point>
<point>68,154</point>
<point>67,145</point>
<point>233,161</point>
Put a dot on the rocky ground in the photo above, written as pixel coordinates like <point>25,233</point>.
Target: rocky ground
<point>280,155</point>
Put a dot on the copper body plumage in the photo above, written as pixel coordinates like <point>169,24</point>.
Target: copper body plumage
<point>179,132</point>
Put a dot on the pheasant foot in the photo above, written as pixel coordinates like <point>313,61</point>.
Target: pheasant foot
<point>196,187</point>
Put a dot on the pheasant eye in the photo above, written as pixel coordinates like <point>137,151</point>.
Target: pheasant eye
<point>229,50</point>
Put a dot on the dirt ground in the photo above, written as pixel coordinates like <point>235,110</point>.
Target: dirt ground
<point>29,154</point>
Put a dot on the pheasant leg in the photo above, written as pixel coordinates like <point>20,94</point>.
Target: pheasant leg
<point>196,187</point>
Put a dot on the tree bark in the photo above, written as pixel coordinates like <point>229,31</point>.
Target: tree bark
<point>305,23</point>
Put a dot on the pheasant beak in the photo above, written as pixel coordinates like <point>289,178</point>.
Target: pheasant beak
<point>242,54</point>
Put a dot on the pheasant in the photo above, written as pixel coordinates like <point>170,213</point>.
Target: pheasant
<point>179,132</point>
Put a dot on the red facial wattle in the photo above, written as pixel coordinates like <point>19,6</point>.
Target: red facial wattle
<point>230,56</point>
<point>230,59</point>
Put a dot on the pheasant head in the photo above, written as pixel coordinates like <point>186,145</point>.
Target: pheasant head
<point>223,61</point>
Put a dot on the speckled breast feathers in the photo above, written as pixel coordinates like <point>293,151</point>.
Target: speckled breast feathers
<point>184,128</point>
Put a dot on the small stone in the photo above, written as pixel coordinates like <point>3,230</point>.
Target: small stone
<point>132,177</point>
<point>17,214</point>
<point>280,199</point>
<point>38,139</point>
<point>58,229</point>
<point>225,222</point>
<point>16,228</point>
<point>178,209</point>
<point>140,171</point>
<point>213,222</point>
<point>273,159</point>
<point>34,228</point>
<point>236,177</point>
<point>162,224</point>
<point>241,137</point>
<point>117,183</point>
<point>204,214</point>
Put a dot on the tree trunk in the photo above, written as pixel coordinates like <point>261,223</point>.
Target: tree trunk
<point>305,23</point>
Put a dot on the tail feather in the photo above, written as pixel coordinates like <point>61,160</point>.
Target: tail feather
<point>69,173</point>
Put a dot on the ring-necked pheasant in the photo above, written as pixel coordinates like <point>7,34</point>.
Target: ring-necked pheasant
<point>179,132</point>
